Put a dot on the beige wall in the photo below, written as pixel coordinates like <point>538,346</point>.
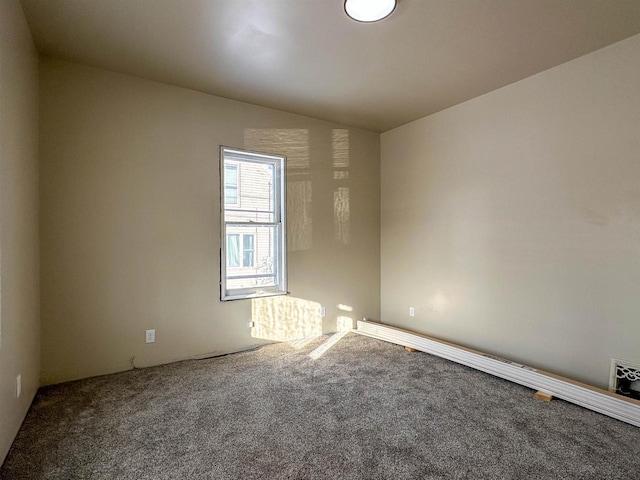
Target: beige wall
<point>512,222</point>
<point>19,304</point>
<point>130,222</point>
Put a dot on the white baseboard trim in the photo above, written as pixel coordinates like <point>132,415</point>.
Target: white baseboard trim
<point>596,399</point>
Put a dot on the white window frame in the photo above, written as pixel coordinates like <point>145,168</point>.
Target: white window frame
<point>237,155</point>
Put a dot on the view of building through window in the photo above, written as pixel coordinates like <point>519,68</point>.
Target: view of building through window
<point>231,184</point>
<point>253,224</point>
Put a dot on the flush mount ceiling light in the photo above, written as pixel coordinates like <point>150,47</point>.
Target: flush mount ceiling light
<point>369,10</point>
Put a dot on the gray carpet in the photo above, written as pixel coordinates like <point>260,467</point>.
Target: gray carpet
<point>365,409</point>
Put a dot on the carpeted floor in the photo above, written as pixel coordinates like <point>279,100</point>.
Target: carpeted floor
<point>364,409</point>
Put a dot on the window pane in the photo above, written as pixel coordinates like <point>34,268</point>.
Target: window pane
<point>260,264</point>
<point>247,242</point>
<point>255,194</point>
<point>233,250</point>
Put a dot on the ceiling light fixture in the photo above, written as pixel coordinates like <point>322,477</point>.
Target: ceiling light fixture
<point>369,10</point>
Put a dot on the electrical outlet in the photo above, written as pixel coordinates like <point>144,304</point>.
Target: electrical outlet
<point>18,386</point>
<point>323,311</point>
<point>412,312</point>
<point>151,336</point>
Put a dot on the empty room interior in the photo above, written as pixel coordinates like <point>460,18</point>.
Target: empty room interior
<point>314,239</point>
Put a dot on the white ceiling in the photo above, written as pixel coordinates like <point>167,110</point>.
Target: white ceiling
<point>308,57</point>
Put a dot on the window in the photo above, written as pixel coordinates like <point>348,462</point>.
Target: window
<point>253,253</point>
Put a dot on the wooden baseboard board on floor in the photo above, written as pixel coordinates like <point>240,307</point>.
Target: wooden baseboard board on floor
<point>593,398</point>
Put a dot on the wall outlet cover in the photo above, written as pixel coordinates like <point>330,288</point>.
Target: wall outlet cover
<point>150,336</point>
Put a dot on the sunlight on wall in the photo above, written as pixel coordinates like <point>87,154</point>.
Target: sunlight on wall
<point>341,215</point>
<point>439,303</point>
<point>340,147</point>
<point>285,318</point>
<point>341,212</point>
<point>344,324</point>
<point>294,144</point>
<point>299,222</point>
